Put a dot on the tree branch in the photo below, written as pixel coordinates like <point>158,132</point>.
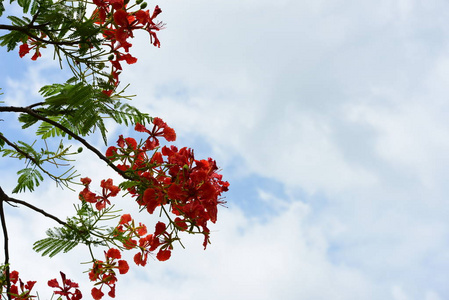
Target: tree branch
<point>32,159</point>
<point>33,113</point>
<point>24,203</point>
<point>20,151</point>
<point>9,200</point>
<point>26,30</point>
<point>3,198</point>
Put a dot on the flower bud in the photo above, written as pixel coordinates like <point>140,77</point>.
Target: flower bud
<point>111,57</point>
<point>80,149</point>
<point>143,5</point>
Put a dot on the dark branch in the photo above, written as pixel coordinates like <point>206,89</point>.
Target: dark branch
<point>24,203</point>
<point>3,198</point>
<point>33,113</point>
<point>36,104</point>
<point>26,30</point>
<point>19,150</point>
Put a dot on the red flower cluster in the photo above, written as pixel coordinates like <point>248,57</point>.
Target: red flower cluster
<point>120,24</point>
<point>187,190</point>
<point>25,288</point>
<point>29,45</point>
<point>103,272</point>
<point>109,190</point>
<point>116,23</point>
<point>160,128</point>
<point>65,290</point>
<point>147,242</point>
<point>192,188</point>
<point>129,232</point>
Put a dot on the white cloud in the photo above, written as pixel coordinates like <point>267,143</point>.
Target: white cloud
<point>344,101</point>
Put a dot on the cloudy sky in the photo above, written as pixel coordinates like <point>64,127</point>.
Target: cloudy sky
<point>328,118</point>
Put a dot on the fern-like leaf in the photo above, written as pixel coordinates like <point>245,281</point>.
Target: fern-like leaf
<point>59,239</point>
<point>29,179</point>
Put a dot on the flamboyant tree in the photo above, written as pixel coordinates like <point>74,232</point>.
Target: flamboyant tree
<point>92,39</point>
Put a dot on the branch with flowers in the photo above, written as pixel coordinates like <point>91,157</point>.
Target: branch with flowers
<point>93,39</point>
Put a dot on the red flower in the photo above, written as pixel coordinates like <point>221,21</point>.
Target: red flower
<point>111,152</point>
<point>169,134</point>
<point>36,55</point>
<point>160,228</point>
<point>180,223</point>
<point>157,158</point>
<point>65,289</point>
<point>175,192</point>
<point>121,18</point>
<point>88,196</point>
<point>140,259</point>
<point>14,276</point>
<point>131,143</point>
<point>117,4</point>
<point>108,186</point>
<point>129,59</point>
<point>111,292</point>
<point>113,253</point>
<point>123,266</point>
<point>163,255</point>
<point>97,294</point>
<point>126,218</point>
<point>140,128</point>
<point>141,230</point>
<point>150,198</point>
<point>156,12</point>
<point>129,244</point>
<point>86,180</point>
<point>24,49</point>
<point>142,16</point>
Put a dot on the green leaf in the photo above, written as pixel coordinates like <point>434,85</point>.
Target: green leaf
<point>29,179</point>
<point>2,8</point>
<point>60,239</point>
<point>18,21</point>
<point>34,7</point>
<point>11,39</point>
<point>71,95</point>
<point>27,120</point>
<point>25,4</point>
<point>128,184</point>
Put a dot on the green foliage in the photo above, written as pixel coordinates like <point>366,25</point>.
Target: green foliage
<point>76,108</point>
<point>29,179</point>
<point>22,151</point>
<point>123,113</point>
<point>11,39</point>
<point>80,229</point>
<point>81,109</point>
<point>2,8</point>
<point>27,4</point>
<point>128,184</point>
<point>63,24</point>
<point>59,239</point>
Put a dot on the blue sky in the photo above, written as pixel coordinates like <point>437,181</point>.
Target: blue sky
<point>329,119</point>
